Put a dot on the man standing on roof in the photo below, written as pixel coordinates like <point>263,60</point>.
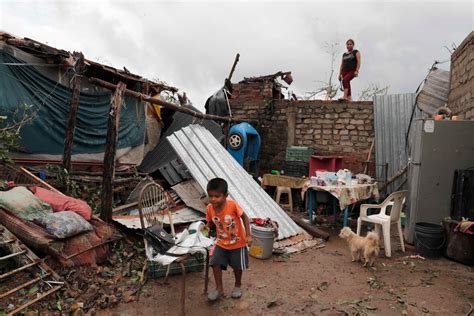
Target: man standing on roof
<point>349,69</point>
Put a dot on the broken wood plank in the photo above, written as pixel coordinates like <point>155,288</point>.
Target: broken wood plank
<point>110,151</point>
<point>71,124</point>
<point>237,57</point>
<point>397,175</point>
<point>24,170</point>
<point>168,105</point>
<point>313,231</point>
<point>121,208</point>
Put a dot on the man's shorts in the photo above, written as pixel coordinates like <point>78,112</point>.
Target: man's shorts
<point>238,258</point>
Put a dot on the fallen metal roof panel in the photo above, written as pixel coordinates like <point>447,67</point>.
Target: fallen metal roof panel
<point>434,93</point>
<point>206,158</point>
<point>163,158</point>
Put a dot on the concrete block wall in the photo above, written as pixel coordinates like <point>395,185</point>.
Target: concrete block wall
<point>329,127</point>
<point>461,94</point>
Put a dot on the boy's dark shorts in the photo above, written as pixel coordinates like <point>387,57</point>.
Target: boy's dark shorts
<point>238,258</point>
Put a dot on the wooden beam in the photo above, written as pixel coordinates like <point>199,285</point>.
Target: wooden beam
<point>312,230</point>
<point>237,57</point>
<point>397,175</point>
<point>110,151</point>
<point>71,124</point>
<point>168,105</point>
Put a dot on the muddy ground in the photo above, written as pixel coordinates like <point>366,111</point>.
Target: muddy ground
<point>322,282</point>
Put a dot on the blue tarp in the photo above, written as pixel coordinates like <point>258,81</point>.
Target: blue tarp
<point>50,101</point>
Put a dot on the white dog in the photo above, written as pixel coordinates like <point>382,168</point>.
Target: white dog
<point>368,246</point>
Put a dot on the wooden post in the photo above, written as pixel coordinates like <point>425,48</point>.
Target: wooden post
<point>71,124</point>
<point>110,151</point>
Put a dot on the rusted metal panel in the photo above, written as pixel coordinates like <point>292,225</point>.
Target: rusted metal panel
<point>206,158</point>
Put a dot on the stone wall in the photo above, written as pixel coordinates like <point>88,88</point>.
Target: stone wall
<point>329,127</point>
<point>461,94</point>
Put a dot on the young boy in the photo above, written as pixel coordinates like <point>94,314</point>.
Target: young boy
<point>232,238</point>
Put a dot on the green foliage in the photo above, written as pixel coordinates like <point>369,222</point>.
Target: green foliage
<point>10,127</point>
<point>64,183</point>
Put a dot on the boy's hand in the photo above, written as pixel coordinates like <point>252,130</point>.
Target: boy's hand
<point>248,239</point>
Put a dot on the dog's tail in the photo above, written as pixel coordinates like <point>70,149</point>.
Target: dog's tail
<point>374,238</point>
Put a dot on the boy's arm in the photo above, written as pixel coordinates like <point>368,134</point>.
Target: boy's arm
<point>246,220</point>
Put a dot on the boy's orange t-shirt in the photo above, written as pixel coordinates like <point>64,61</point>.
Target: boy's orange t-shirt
<point>230,231</point>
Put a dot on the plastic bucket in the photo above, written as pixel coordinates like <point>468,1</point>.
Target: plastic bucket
<point>262,242</point>
<point>429,240</point>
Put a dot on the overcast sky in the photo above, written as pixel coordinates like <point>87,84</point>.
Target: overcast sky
<point>192,45</point>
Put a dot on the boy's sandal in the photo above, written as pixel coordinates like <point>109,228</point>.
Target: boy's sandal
<point>236,292</point>
<point>214,296</point>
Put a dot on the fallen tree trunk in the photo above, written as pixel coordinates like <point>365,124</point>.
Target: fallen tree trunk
<point>313,231</point>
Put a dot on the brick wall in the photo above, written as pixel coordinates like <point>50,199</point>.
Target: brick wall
<point>330,127</point>
<point>461,94</point>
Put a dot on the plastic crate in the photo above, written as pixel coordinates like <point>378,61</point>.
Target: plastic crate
<point>296,168</point>
<point>297,153</point>
<point>195,263</point>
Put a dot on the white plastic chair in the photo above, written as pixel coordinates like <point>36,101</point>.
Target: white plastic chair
<point>384,221</point>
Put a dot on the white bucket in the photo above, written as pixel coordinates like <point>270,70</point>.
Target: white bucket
<point>262,242</point>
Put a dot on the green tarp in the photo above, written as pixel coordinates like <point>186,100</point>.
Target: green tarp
<point>50,100</point>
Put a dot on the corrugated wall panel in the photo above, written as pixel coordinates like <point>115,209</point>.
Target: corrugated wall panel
<point>391,120</point>
<point>206,158</point>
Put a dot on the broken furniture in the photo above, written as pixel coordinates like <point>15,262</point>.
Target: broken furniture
<point>27,262</point>
<point>345,194</point>
<point>438,149</point>
<point>287,191</point>
<point>384,221</point>
<point>153,205</point>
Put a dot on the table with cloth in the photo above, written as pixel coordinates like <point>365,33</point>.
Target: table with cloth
<point>345,194</point>
<point>276,180</point>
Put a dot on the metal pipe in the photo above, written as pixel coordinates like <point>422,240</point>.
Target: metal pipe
<point>22,307</point>
<point>12,255</point>
<point>183,288</point>
<point>5,275</point>
<point>3,295</point>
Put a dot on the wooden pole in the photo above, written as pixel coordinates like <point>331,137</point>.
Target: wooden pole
<point>397,175</point>
<point>110,151</point>
<point>168,105</point>
<point>312,230</point>
<point>366,167</point>
<point>71,124</point>
<point>237,57</point>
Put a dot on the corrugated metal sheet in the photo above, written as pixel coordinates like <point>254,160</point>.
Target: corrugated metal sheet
<point>391,120</point>
<point>163,157</point>
<point>206,158</point>
<point>434,93</point>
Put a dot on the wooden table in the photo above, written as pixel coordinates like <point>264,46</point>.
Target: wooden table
<point>345,194</point>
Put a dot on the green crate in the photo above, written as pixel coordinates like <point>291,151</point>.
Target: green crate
<point>195,263</point>
<point>298,153</point>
